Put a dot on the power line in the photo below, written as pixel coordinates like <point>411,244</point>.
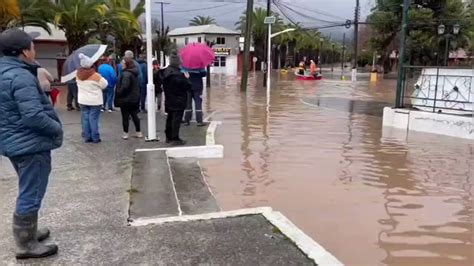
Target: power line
<point>316,11</point>
<point>197,9</point>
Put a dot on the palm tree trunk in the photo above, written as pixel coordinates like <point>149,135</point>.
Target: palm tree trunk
<point>75,41</point>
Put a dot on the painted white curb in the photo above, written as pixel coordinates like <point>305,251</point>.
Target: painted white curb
<point>310,247</point>
<point>199,217</point>
<point>306,244</point>
<point>211,132</point>
<point>202,152</point>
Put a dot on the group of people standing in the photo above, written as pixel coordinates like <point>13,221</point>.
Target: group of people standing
<point>30,128</point>
<point>101,90</point>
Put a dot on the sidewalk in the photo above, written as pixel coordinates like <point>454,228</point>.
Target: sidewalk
<point>87,207</point>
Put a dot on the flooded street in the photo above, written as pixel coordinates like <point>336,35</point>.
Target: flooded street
<point>317,155</point>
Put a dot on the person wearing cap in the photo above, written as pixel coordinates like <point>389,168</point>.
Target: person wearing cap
<point>90,96</point>
<point>29,130</point>
<point>176,86</point>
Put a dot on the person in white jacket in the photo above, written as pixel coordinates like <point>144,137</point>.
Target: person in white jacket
<point>90,97</point>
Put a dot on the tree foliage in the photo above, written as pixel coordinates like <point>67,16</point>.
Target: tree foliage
<point>424,17</point>
<point>22,13</point>
<point>202,20</point>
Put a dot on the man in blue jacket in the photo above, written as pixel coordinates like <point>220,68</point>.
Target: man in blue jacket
<point>29,130</point>
<point>108,72</point>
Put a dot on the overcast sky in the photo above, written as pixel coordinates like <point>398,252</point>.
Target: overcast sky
<point>226,12</point>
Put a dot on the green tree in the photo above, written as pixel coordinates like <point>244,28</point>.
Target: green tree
<point>202,20</point>
<point>259,29</point>
<point>77,18</point>
<point>422,38</point>
<point>123,23</point>
<point>22,13</point>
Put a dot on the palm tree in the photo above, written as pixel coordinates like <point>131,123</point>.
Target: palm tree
<point>201,20</point>
<point>259,29</point>
<point>123,24</point>
<point>77,18</point>
<point>22,13</point>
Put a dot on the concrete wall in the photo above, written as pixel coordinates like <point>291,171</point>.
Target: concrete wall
<point>229,69</point>
<point>434,123</point>
<point>181,40</point>
<point>46,54</point>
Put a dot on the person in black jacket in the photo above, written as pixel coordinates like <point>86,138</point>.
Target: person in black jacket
<point>127,97</point>
<point>157,82</point>
<point>176,86</point>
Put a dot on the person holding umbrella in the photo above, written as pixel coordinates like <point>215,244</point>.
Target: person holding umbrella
<point>29,130</point>
<point>90,96</point>
<point>196,57</point>
<point>195,76</point>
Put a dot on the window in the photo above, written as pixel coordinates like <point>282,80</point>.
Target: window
<point>199,39</point>
<point>220,61</point>
<point>186,40</point>
<point>220,40</point>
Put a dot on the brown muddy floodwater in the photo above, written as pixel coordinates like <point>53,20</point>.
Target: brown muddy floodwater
<point>318,156</point>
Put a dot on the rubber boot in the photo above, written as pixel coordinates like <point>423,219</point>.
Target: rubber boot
<point>42,234</point>
<point>25,233</point>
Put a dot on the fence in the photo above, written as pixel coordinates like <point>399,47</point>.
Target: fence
<point>447,89</point>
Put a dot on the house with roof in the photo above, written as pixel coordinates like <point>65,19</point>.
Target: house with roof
<point>225,43</point>
<point>49,47</point>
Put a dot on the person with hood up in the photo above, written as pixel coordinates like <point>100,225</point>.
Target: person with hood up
<point>90,86</point>
<point>29,130</point>
<point>128,97</point>
<point>143,81</point>
<point>195,76</point>
<point>108,72</point>
<point>176,86</point>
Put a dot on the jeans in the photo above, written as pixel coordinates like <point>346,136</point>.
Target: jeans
<point>173,124</point>
<point>90,123</point>
<point>72,94</point>
<point>195,95</point>
<point>127,112</point>
<point>110,98</point>
<point>142,97</point>
<point>33,171</point>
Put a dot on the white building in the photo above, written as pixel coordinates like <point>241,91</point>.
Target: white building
<point>226,44</point>
<point>49,48</point>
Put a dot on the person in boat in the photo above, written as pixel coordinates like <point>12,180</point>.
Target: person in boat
<point>313,68</point>
<point>301,68</point>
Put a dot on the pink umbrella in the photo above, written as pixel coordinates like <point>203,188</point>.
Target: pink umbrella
<point>196,56</point>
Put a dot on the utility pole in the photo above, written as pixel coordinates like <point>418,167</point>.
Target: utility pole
<point>343,55</point>
<point>332,58</point>
<point>267,67</point>
<point>248,34</point>
<point>356,40</point>
<point>401,55</point>
<point>163,28</point>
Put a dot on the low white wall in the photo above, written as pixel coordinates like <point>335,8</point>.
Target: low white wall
<point>435,123</point>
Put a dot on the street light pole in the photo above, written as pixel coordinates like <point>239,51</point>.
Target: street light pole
<point>332,59</point>
<point>150,86</point>
<point>401,55</point>
<point>343,55</point>
<point>320,57</point>
<point>267,66</point>
<point>356,41</point>
<point>269,53</point>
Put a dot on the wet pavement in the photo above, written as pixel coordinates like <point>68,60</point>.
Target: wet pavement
<point>87,207</point>
<point>317,154</point>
